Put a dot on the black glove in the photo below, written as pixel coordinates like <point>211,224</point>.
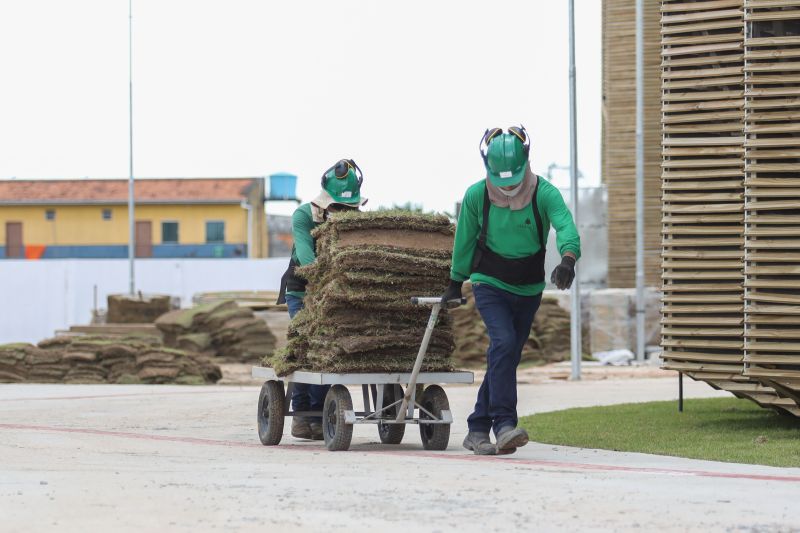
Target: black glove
<point>564,273</point>
<point>453,292</point>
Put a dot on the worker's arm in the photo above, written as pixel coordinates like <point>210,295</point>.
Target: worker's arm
<point>302,224</point>
<point>467,230</point>
<point>567,239</point>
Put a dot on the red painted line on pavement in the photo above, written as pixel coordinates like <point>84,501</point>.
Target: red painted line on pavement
<point>135,436</point>
<point>631,469</point>
<point>508,461</point>
<point>126,395</point>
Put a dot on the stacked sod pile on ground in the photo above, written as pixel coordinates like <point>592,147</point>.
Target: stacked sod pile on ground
<point>138,309</point>
<point>97,359</point>
<point>549,340</point>
<point>358,316</point>
<point>229,333</point>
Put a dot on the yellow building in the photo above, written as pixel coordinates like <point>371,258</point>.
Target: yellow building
<point>204,217</point>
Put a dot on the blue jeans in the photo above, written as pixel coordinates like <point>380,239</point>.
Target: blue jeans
<point>305,397</point>
<point>508,320</point>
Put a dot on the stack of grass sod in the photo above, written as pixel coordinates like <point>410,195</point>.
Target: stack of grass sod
<point>138,309</point>
<point>222,329</point>
<point>358,314</point>
<point>256,300</point>
<point>13,362</point>
<point>549,340</point>
<point>96,359</point>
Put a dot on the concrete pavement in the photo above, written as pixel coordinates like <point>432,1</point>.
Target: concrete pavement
<point>125,458</point>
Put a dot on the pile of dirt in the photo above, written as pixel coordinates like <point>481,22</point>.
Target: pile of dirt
<point>549,340</point>
<point>137,309</point>
<point>96,359</point>
<point>223,330</point>
<point>358,315</point>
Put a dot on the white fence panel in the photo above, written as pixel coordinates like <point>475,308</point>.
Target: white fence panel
<point>39,297</point>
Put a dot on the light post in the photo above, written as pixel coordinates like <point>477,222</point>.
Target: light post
<point>575,321</point>
<point>131,217</point>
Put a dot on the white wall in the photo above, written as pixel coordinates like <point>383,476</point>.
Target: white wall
<point>39,297</point>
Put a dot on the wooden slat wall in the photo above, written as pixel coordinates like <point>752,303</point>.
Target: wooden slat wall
<point>703,194</point>
<point>702,98</point>
<point>772,194</point>
<point>619,140</point>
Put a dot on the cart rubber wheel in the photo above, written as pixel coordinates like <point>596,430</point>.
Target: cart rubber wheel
<point>336,432</point>
<point>434,436</point>
<point>270,413</point>
<point>391,433</point>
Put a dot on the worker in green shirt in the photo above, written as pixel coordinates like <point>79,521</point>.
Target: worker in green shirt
<point>341,189</point>
<point>500,247</point>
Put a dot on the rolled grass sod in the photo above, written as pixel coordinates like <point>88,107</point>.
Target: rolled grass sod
<point>98,359</point>
<point>220,329</point>
<point>715,429</point>
<point>358,315</point>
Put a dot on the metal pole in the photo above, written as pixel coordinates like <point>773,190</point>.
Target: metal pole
<point>640,310</point>
<point>131,217</point>
<point>408,397</point>
<point>249,208</point>
<point>575,319</point>
<point>250,231</point>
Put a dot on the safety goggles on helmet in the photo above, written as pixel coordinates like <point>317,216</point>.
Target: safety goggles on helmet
<point>341,184</point>
<point>505,155</point>
<point>341,169</point>
<point>518,131</point>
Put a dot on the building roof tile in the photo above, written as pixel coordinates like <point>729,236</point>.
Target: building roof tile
<point>115,191</point>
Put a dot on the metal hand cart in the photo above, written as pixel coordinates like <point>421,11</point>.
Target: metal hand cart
<point>386,402</point>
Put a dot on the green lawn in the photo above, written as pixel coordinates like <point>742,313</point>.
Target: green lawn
<point>718,429</point>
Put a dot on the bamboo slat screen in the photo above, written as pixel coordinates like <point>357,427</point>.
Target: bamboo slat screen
<point>727,197</point>
<point>619,140</point>
<point>772,195</point>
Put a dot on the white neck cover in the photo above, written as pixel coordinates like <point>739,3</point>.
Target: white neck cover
<point>511,192</point>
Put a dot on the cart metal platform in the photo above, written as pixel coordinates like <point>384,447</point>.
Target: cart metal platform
<point>383,395</point>
<point>391,400</point>
<point>324,378</point>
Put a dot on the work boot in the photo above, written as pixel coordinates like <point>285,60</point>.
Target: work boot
<point>301,429</point>
<point>479,443</point>
<point>316,430</point>
<point>509,439</point>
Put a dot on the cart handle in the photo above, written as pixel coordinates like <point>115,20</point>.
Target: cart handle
<point>431,300</point>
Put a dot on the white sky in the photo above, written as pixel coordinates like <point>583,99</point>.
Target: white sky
<point>251,87</point>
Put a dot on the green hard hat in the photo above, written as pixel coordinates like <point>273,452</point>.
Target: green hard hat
<point>505,155</point>
<point>343,182</point>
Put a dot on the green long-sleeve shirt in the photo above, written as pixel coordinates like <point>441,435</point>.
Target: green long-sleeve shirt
<point>304,251</point>
<point>511,234</point>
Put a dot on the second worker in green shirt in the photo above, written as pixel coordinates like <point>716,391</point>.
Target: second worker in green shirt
<point>500,243</point>
<point>341,190</point>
